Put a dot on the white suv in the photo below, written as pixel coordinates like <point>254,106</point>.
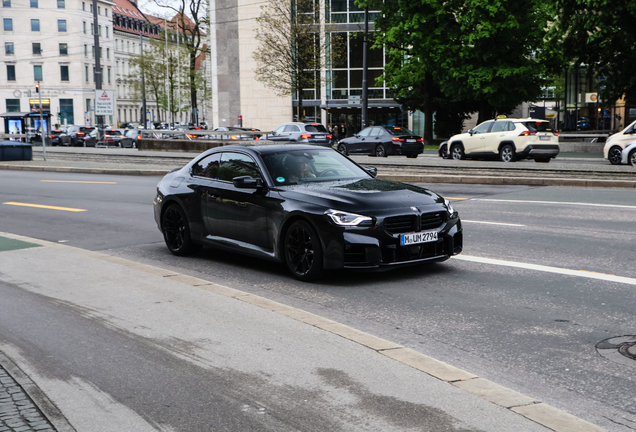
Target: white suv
<point>507,139</point>
<point>616,143</point>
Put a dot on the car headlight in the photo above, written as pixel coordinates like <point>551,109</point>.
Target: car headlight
<point>347,219</point>
<point>608,139</point>
<point>451,211</point>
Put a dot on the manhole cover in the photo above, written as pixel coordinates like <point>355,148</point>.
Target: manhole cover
<point>620,349</point>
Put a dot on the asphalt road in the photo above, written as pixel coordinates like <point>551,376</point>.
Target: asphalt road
<point>525,304</point>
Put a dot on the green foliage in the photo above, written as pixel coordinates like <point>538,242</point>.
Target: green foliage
<point>600,35</point>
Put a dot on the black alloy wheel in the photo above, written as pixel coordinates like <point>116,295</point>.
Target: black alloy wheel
<point>303,254</point>
<point>457,152</point>
<point>444,152</point>
<point>507,154</point>
<point>343,149</point>
<point>380,151</point>
<point>176,231</point>
<point>632,158</point>
<point>615,155</point>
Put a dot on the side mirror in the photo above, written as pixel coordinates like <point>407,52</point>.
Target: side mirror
<point>247,182</point>
<point>371,170</point>
<point>471,132</point>
<point>356,135</point>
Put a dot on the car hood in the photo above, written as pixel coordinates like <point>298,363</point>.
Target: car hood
<point>459,137</point>
<point>361,195</point>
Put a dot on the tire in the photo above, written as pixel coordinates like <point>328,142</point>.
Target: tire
<point>343,149</point>
<point>411,156</point>
<point>507,154</point>
<point>303,254</point>
<point>457,152</point>
<point>176,231</point>
<point>615,155</point>
<point>631,159</point>
<point>380,151</point>
<point>444,152</point>
<point>542,160</point>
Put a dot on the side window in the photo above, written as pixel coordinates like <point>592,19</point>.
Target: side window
<point>375,132</point>
<point>483,128</point>
<point>279,129</point>
<point>511,126</point>
<point>500,126</point>
<point>236,165</point>
<point>292,128</point>
<point>207,167</point>
<point>365,132</point>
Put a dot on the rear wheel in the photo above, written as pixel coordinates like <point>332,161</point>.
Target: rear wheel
<point>176,231</point>
<point>342,149</point>
<point>615,155</point>
<point>380,151</point>
<point>507,154</point>
<point>303,254</point>
<point>457,152</point>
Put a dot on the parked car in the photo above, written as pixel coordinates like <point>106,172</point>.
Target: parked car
<point>313,133</point>
<point>112,137</point>
<point>508,139</point>
<point>58,138</point>
<point>238,135</point>
<point>81,136</point>
<point>308,207</point>
<point>383,141</point>
<point>615,144</point>
<point>132,136</point>
<point>629,154</point>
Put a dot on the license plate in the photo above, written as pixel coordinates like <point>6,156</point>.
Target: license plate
<point>544,138</point>
<point>411,140</point>
<point>415,238</point>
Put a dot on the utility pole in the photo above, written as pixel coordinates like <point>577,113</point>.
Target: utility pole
<point>365,86</point>
<point>98,69</point>
<point>143,82</point>
<point>42,128</point>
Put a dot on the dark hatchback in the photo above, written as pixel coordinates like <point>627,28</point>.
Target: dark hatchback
<point>308,207</point>
<point>383,141</point>
<point>58,137</point>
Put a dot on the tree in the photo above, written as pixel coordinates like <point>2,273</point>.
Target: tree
<point>599,34</point>
<point>485,56</point>
<point>291,52</point>
<point>190,28</point>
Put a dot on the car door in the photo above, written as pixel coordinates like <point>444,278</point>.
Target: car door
<point>360,142</point>
<point>235,216</point>
<point>498,133</point>
<point>375,137</point>
<point>477,141</point>
<point>279,134</point>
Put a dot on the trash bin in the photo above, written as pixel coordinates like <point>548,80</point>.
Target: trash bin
<point>15,150</point>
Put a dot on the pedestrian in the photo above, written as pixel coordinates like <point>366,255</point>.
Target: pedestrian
<point>336,132</point>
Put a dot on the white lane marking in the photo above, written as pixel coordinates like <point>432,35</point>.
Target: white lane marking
<point>549,269</point>
<point>556,202</point>
<point>492,223</point>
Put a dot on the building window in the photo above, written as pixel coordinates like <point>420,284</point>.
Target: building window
<point>91,4</point>
<point>37,72</point>
<point>84,26</point>
<point>35,25</point>
<point>92,28</point>
<point>99,30</point>
<point>88,105</point>
<point>106,31</point>
<point>6,3</point>
<point>106,12</point>
<point>99,10</point>
<point>8,48</point>
<point>36,48</point>
<point>13,105</point>
<point>34,3</point>
<point>86,72</point>
<point>61,4</point>
<point>66,111</point>
<point>63,49</point>
<point>64,72</point>
<point>83,6</point>
<point>61,25</point>
<point>8,24</point>
<point>10,72</point>
<point>93,51</point>
<point>108,75</point>
<point>100,52</point>
<point>108,53</point>
<point>85,50</point>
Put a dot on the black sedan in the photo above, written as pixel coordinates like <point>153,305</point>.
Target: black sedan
<point>308,207</point>
<point>383,141</point>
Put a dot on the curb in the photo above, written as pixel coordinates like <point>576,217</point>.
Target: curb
<point>408,178</point>
<point>528,407</point>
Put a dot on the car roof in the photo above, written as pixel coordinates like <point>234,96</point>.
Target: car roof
<point>263,148</point>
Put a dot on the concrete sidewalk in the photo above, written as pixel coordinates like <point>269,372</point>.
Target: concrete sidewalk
<point>230,325</point>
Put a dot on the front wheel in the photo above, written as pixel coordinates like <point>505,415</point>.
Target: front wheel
<point>380,151</point>
<point>457,152</point>
<point>176,231</point>
<point>507,154</point>
<point>343,149</point>
<point>303,254</point>
<point>615,155</point>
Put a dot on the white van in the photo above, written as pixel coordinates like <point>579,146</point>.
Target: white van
<point>613,150</point>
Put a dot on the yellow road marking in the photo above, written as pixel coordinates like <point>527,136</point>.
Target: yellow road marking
<point>44,206</point>
<point>76,181</point>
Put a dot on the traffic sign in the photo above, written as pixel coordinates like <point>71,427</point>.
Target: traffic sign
<point>104,102</point>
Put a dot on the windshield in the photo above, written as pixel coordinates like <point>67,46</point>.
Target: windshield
<point>319,165</point>
<point>394,130</point>
<point>539,126</point>
<point>315,128</point>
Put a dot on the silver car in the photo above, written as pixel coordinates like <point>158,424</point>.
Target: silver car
<point>310,133</point>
